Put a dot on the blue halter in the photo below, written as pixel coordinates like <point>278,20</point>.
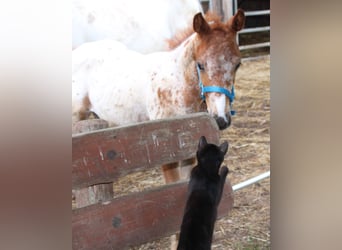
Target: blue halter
<point>206,89</point>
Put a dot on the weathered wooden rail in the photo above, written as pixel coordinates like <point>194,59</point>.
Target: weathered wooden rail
<point>105,155</point>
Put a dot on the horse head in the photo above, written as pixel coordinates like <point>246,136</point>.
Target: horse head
<point>217,59</point>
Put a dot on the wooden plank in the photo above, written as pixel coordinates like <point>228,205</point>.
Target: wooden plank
<point>103,156</point>
<point>135,219</point>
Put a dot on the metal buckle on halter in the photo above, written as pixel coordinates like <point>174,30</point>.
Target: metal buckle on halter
<point>218,89</point>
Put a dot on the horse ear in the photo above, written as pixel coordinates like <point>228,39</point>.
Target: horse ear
<point>237,21</point>
<point>202,143</point>
<point>200,25</point>
<point>224,147</point>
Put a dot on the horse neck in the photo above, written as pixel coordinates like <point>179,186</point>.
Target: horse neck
<point>185,54</point>
<point>186,64</point>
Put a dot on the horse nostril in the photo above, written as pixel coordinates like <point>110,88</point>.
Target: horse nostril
<point>222,123</point>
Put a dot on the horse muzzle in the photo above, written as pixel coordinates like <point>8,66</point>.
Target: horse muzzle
<point>223,123</point>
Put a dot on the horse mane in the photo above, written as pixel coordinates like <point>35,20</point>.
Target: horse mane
<point>212,18</point>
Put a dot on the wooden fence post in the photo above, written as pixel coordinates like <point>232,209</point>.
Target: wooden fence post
<point>227,9</point>
<point>95,193</point>
<point>216,6</point>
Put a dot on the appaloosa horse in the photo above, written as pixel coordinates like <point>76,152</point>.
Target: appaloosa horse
<point>143,26</point>
<point>123,86</point>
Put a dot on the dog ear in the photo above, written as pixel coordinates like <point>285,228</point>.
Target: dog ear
<point>202,143</point>
<point>224,147</point>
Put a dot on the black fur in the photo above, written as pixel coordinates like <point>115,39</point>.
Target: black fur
<point>204,195</point>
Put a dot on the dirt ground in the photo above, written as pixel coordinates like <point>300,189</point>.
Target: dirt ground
<point>247,226</point>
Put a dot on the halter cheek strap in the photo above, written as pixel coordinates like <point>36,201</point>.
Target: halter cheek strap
<point>218,89</point>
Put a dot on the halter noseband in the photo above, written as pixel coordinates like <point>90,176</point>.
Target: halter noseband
<point>218,89</point>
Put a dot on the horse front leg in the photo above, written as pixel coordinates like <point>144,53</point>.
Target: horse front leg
<point>186,167</point>
<point>171,172</point>
<point>174,172</point>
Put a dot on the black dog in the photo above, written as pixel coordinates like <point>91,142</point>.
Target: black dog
<point>204,195</point>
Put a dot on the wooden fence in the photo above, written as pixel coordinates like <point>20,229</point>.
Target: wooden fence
<point>105,155</point>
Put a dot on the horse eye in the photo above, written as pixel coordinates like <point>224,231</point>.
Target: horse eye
<point>237,66</point>
<point>201,66</point>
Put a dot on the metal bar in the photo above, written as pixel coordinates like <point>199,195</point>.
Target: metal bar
<point>251,30</point>
<point>257,13</point>
<point>253,46</point>
<point>235,8</point>
<point>245,59</point>
<point>251,181</point>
